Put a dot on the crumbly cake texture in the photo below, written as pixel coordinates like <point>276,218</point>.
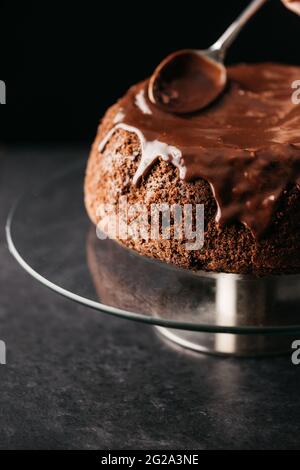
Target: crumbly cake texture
<point>231,248</point>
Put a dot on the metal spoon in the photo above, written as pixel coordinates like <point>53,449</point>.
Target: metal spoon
<point>189,80</point>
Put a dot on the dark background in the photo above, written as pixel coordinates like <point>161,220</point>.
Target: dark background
<point>65,63</point>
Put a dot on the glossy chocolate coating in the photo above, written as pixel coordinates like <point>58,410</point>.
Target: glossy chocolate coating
<point>246,145</point>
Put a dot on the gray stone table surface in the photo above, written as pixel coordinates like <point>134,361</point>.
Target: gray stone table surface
<point>79,379</point>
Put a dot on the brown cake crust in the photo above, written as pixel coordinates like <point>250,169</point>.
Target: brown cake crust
<point>231,249</point>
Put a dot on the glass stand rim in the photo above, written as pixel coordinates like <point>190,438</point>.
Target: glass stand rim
<point>121,312</point>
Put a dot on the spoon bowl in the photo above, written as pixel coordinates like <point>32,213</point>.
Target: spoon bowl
<point>187,81</point>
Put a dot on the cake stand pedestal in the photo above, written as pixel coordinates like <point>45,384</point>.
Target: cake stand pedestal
<point>239,301</point>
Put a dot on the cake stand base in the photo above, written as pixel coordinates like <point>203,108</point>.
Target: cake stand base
<point>225,344</point>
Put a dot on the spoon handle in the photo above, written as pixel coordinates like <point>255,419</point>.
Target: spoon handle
<point>227,38</point>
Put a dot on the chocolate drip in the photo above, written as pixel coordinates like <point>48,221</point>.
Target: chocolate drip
<point>247,145</point>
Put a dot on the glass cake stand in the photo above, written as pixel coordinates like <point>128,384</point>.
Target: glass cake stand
<point>50,235</point>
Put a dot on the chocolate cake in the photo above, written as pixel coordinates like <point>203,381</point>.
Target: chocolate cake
<point>239,157</point>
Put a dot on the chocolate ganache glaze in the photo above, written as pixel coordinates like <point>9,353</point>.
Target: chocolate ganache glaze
<point>246,145</point>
